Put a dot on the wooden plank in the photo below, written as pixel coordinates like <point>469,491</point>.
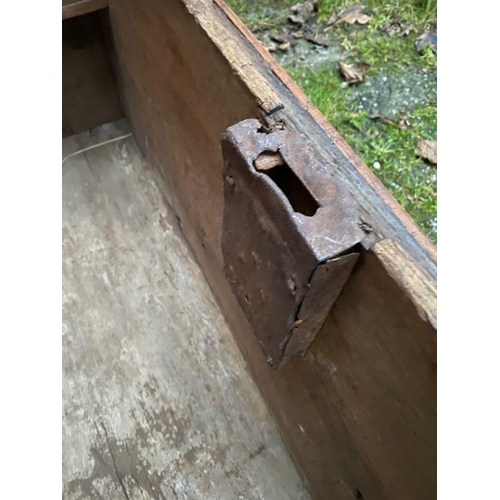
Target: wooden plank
<point>157,401</point>
<point>418,286</point>
<point>74,8</point>
<point>358,412</point>
<point>89,94</point>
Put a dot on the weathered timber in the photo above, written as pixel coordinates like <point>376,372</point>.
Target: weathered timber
<point>74,8</point>
<point>358,411</point>
<point>157,403</point>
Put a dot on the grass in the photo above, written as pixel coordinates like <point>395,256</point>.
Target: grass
<point>259,15</point>
<point>387,150</point>
<point>262,14</point>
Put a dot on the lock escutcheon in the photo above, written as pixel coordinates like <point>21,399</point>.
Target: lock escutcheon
<point>288,236</point>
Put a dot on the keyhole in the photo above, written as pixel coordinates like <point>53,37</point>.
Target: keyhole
<point>301,199</point>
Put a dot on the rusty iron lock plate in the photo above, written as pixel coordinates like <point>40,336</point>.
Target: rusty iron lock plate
<point>288,234</point>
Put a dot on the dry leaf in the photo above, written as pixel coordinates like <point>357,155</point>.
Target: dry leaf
<point>284,46</point>
<point>278,38</point>
<point>429,38</point>
<point>354,73</point>
<point>297,34</point>
<point>352,14</point>
<point>333,19</point>
<point>322,42</point>
<point>284,41</point>
<point>403,122</point>
<point>427,150</point>
<point>396,28</point>
<point>302,11</point>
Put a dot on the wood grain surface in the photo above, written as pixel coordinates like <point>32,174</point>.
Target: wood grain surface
<point>157,401</point>
<point>358,413</point>
<point>74,8</point>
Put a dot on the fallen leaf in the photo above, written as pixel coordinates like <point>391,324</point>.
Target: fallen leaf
<point>284,41</point>
<point>404,29</point>
<point>396,28</point>
<point>427,39</point>
<point>297,34</point>
<point>302,11</point>
<point>354,73</point>
<point>352,14</point>
<point>427,150</point>
<point>322,42</point>
<point>278,38</point>
<point>403,122</point>
<point>374,134</point>
<point>333,19</point>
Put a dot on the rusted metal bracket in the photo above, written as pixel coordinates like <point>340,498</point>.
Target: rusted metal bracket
<point>288,235</point>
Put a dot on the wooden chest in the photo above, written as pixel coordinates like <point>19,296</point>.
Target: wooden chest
<point>255,319</point>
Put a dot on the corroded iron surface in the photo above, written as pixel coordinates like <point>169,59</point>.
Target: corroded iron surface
<point>288,235</point>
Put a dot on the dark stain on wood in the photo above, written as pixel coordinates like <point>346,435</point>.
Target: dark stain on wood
<point>89,93</point>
